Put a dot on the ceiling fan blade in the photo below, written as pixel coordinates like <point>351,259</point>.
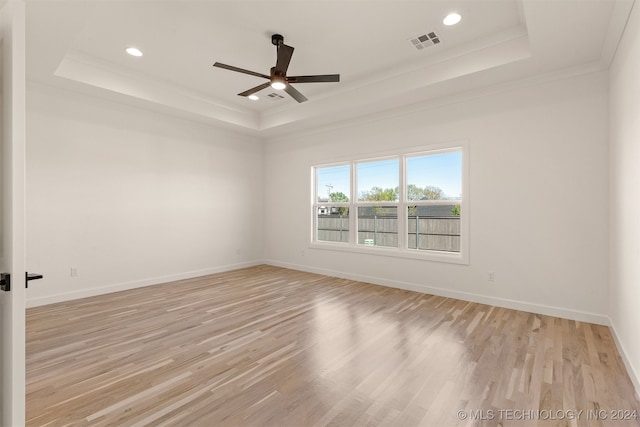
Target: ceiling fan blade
<point>284,58</point>
<point>255,89</point>
<point>326,78</point>
<point>295,94</point>
<point>240,70</point>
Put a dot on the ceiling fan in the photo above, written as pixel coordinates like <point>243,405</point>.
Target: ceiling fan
<point>278,78</point>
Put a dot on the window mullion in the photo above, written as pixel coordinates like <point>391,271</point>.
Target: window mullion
<point>314,205</point>
<point>353,209</point>
<point>402,210</point>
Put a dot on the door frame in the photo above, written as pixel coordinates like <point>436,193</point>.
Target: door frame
<point>12,351</point>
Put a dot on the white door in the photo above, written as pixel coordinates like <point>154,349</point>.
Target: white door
<point>12,302</point>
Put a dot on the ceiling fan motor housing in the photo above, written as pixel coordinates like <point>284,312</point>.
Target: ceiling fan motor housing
<point>277,39</point>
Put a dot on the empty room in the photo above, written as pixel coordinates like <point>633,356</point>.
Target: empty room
<point>320,213</point>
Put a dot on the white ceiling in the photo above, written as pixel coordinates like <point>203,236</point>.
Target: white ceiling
<point>80,44</point>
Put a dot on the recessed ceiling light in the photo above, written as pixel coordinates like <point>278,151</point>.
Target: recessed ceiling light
<point>452,19</point>
<point>133,51</point>
<point>253,97</point>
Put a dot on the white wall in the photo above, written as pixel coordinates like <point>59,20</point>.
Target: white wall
<point>538,197</point>
<point>131,197</point>
<point>624,280</point>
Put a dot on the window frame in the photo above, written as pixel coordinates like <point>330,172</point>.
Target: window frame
<point>402,250</point>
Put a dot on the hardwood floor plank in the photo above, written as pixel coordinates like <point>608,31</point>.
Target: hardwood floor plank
<point>266,346</point>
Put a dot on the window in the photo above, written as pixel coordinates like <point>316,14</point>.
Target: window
<point>434,191</point>
<point>332,197</point>
<point>378,183</point>
<point>410,205</point>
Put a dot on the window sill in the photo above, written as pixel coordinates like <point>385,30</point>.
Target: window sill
<point>434,256</point>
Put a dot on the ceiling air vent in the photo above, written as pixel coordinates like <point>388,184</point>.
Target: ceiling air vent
<point>275,96</point>
<point>425,40</point>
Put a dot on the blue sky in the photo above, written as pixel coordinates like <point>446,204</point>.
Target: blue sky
<point>333,179</point>
<point>443,170</point>
<point>383,174</point>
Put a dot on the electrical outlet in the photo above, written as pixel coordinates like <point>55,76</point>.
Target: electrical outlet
<point>491,276</point>
<point>74,272</point>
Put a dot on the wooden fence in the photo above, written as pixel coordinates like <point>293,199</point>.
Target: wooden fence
<point>426,233</point>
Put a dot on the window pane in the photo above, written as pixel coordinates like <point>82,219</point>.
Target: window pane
<point>435,176</point>
<point>378,226</point>
<point>333,183</point>
<point>378,181</point>
<point>332,224</point>
<point>434,227</point>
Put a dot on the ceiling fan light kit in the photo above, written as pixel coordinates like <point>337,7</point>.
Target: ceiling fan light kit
<point>278,82</point>
<point>277,77</point>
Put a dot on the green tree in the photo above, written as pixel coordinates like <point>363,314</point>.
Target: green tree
<point>455,211</point>
<point>338,196</point>
<point>414,192</point>
<point>429,192</point>
<point>377,194</point>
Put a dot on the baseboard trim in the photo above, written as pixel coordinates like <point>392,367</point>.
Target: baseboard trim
<point>90,292</point>
<point>633,374</point>
<point>577,315</point>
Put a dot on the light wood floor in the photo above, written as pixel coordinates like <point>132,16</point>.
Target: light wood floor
<point>266,346</point>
